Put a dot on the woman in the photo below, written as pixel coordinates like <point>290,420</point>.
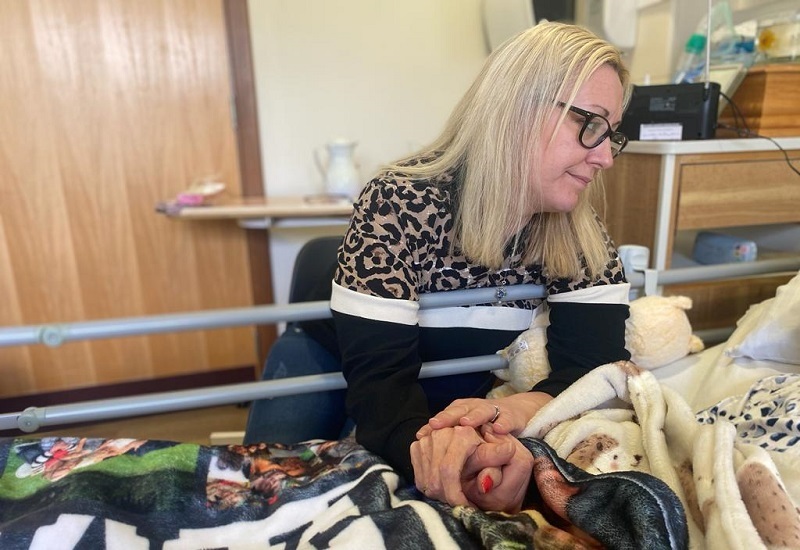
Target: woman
<point>503,196</point>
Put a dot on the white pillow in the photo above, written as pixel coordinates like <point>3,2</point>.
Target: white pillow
<point>770,331</point>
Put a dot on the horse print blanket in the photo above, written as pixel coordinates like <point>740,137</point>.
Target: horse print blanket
<point>60,493</point>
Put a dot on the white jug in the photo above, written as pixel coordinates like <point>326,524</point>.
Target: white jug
<point>340,173</point>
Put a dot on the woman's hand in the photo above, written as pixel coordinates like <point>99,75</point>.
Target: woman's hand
<point>461,467</point>
<point>468,455</point>
<point>507,415</point>
<point>439,459</point>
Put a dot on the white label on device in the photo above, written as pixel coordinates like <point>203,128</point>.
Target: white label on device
<point>671,131</point>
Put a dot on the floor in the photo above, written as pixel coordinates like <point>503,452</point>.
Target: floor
<point>196,426</point>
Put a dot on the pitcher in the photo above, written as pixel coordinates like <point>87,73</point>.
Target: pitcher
<point>340,173</point>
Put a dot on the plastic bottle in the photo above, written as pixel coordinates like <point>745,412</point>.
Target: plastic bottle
<point>692,60</point>
<point>723,39</point>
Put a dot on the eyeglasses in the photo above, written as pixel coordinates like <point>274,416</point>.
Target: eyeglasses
<point>595,129</point>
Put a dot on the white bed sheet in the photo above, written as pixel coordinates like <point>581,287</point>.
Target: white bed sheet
<point>706,378</point>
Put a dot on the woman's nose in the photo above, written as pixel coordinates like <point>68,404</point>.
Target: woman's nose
<point>601,155</point>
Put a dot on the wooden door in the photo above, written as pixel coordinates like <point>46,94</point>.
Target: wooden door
<point>106,108</point>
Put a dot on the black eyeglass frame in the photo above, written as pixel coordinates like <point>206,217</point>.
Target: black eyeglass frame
<point>618,139</point>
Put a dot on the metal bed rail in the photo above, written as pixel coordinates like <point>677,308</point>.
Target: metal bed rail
<point>56,334</point>
<point>650,278</point>
<point>33,418</point>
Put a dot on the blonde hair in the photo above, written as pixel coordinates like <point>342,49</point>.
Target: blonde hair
<point>490,137</point>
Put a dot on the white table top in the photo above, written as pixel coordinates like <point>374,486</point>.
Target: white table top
<point>710,146</point>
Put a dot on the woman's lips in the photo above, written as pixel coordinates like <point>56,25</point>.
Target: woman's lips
<point>583,179</point>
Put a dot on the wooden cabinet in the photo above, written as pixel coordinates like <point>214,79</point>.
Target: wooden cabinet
<point>658,194</point>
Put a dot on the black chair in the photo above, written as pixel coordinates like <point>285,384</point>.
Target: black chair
<point>304,348</point>
<point>313,270</point>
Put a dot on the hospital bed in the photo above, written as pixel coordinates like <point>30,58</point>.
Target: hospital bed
<point>680,455</point>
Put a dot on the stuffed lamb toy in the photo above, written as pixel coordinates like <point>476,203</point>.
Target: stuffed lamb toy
<point>657,332</point>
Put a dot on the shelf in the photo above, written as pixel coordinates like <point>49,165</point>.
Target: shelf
<point>272,209</point>
<point>738,186</point>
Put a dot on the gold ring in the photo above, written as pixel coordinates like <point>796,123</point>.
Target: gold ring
<point>496,414</point>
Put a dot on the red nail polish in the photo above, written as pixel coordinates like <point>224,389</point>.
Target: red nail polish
<point>487,484</point>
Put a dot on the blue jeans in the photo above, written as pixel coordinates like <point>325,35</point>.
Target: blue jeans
<point>322,415</point>
<point>301,417</point>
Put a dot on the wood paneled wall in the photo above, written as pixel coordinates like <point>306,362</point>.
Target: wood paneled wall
<point>106,108</point>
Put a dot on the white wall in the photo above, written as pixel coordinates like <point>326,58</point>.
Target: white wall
<point>386,73</point>
<point>664,27</point>
<point>382,72</point>
<point>650,60</point>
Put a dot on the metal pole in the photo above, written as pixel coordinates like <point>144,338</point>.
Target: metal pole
<point>33,418</point>
<point>715,272</point>
<point>56,334</point>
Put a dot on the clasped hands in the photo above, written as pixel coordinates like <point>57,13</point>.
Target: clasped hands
<point>468,454</point>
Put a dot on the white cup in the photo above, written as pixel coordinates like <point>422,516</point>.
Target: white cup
<point>634,257</point>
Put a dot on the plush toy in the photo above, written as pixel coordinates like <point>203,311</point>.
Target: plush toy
<point>656,333</point>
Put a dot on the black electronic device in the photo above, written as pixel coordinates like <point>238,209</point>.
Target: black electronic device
<point>680,111</point>
<point>684,111</point>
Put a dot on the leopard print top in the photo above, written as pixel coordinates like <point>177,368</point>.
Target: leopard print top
<point>400,245</point>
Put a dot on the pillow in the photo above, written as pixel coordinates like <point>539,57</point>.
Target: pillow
<point>770,331</point>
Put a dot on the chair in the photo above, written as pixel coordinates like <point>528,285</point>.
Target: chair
<point>304,348</point>
<point>313,270</point>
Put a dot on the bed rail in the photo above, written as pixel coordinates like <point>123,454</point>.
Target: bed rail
<point>33,418</point>
<point>57,334</point>
<point>650,279</point>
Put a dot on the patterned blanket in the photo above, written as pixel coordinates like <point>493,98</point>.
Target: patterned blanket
<point>735,467</point>
<point>59,493</point>
<point>120,493</point>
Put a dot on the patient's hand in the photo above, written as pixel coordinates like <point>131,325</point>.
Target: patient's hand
<point>459,466</point>
<point>468,455</point>
<point>439,459</point>
<point>497,475</point>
